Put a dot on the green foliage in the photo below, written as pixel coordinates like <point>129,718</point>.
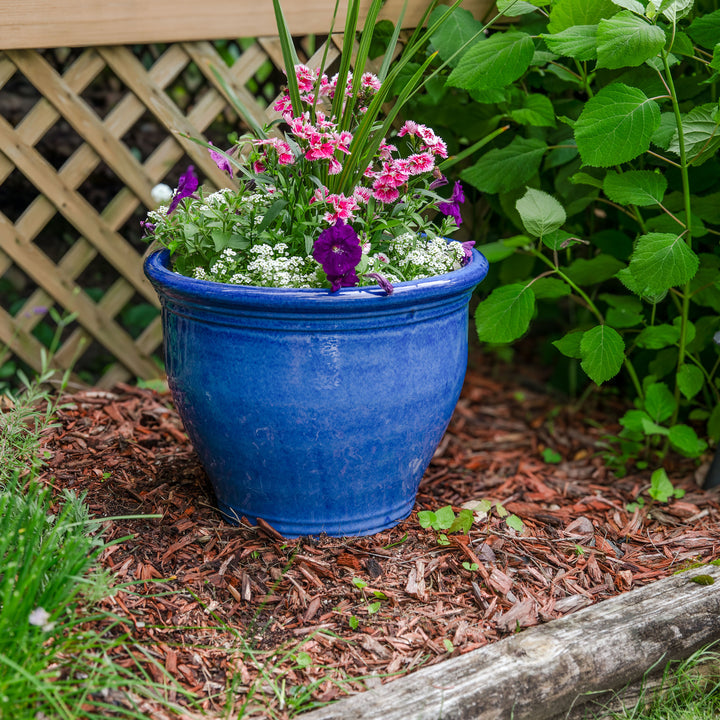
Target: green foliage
<point>661,490</point>
<point>609,173</point>
<point>689,689</point>
<point>444,521</point>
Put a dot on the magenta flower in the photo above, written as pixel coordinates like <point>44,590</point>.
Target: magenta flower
<point>338,251</point>
<point>147,227</point>
<point>452,206</point>
<point>385,192</point>
<point>187,185</point>
<point>439,181</point>
<point>467,247</point>
<point>221,161</point>
<point>420,163</point>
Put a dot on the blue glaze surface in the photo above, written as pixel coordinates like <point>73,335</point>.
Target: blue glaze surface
<point>317,412</point>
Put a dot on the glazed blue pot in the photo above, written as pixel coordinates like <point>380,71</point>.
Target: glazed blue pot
<point>316,412</point>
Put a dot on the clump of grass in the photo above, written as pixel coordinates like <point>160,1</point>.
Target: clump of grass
<point>689,690</point>
<point>51,664</point>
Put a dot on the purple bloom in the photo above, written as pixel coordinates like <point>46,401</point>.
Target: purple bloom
<point>452,206</point>
<point>221,161</point>
<point>338,250</point>
<point>438,182</point>
<point>187,185</point>
<point>148,228</point>
<point>382,281</point>
<point>467,251</point>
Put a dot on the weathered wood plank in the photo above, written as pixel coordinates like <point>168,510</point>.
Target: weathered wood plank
<point>544,671</point>
<point>67,23</point>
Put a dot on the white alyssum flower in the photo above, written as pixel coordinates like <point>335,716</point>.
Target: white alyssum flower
<point>40,617</point>
<point>161,193</point>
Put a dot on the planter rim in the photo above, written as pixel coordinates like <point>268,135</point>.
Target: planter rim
<point>157,268</point>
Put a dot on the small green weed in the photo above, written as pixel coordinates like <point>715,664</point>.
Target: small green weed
<point>661,490</point>
<point>445,521</point>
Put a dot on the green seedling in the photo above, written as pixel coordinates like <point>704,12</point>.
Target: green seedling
<point>661,490</point>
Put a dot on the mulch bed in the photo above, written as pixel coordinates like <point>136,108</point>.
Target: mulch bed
<point>218,595</point>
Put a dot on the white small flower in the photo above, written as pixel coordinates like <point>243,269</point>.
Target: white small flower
<point>161,193</point>
<point>40,617</point>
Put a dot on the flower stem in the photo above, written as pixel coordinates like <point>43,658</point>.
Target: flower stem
<point>594,310</point>
<point>685,294</point>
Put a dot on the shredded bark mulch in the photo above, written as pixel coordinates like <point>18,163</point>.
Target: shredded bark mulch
<point>233,612</point>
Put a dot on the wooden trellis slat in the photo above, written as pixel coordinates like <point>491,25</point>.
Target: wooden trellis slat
<point>127,67</point>
<point>74,171</point>
<point>73,206</point>
<point>38,267</point>
<point>87,124</point>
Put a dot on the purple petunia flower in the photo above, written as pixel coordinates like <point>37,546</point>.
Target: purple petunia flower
<point>221,161</point>
<point>438,182</point>
<point>467,247</point>
<point>187,185</point>
<point>382,281</point>
<point>338,250</point>
<point>452,206</point>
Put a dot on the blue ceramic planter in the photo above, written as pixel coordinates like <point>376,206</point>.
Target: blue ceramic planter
<point>317,412</point>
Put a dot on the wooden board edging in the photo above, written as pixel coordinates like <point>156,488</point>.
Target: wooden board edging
<point>548,670</point>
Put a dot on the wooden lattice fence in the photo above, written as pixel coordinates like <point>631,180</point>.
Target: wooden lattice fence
<point>87,130</point>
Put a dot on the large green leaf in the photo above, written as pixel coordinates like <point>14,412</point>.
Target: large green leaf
<point>659,402</point>
<point>569,345</point>
<point>540,213</point>
<point>505,315</point>
<point>536,110</point>
<point>715,62</point>
<point>578,41</point>
<point>455,31</point>
<point>701,130</point>
<point>705,29</point>
<point>690,380</point>
<point>673,10</point>
<point>616,125</point>
<point>495,62</point>
<point>566,13</point>
<point>548,288</point>
<point>593,270</point>
<point>635,187</point>
<point>656,337</point>
<point>625,310</point>
<point>603,352</point>
<point>515,8</point>
<point>685,440</point>
<point>626,40</point>
<point>508,168</point>
<point>661,261</point>
<point>634,5</point>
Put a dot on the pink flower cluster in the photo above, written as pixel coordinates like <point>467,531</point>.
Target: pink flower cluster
<point>320,140</point>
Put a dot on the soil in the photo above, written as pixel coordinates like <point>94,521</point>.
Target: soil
<point>331,616</point>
